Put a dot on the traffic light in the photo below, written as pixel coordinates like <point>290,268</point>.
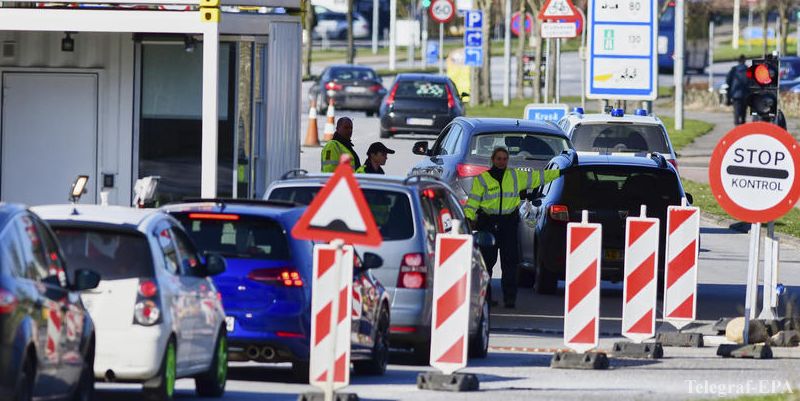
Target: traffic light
<point>763,80</point>
<point>426,3</point>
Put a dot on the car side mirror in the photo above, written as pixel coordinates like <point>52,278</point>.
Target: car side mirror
<point>85,280</point>
<point>215,264</point>
<point>483,239</point>
<point>421,148</point>
<point>464,95</point>
<point>371,261</point>
<point>689,198</point>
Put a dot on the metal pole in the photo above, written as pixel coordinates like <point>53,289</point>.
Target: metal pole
<point>210,119</point>
<point>778,29</point>
<point>797,35</point>
<point>507,53</point>
<point>750,25</point>
<point>768,311</point>
<point>752,280</point>
<point>375,6</point>
<point>736,17</point>
<point>547,72</point>
<point>558,70</point>
<point>711,55</point>
<point>424,50</point>
<point>582,57</point>
<point>680,28</point>
<point>392,35</point>
<point>441,48</point>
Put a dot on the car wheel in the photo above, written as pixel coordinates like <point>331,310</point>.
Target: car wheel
<point>300,371</point>
<point>212,383</point>
<point>85,389</point>
<point>385,134</point>
<point>376,366</point>
<point>26,380</point>
<point>526,278</point>
<point>162,387</point>
<point>546,281</point>
<point>479,343</point>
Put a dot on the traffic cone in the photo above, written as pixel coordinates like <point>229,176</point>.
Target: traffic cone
<point>312,134</point>
<point>330,129</point>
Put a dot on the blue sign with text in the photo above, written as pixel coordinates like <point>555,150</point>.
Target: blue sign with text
<point>473,19</point>
<point>473,56</point>
<point>473,38</point>
<point>545,111</point>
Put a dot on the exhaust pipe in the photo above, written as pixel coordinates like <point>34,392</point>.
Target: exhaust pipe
<point>268,353</point>
<point>252,352</point>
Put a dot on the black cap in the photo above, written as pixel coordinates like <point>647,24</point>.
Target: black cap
<point>379,147</point>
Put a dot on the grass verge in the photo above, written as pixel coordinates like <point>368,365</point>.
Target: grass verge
<point>704,199</point>
<point>766,397</point>
<point>727,53</point>
<point>692,129</point>
<point>516,107</point>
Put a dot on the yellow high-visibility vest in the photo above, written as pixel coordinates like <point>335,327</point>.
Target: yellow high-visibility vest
<point>496,198</point>
<point>331,154</point>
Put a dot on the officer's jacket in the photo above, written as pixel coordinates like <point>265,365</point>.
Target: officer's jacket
<point>494,198</point>
<point>331,154</point>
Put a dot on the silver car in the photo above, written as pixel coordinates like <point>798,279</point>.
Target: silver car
<point>409,213</point>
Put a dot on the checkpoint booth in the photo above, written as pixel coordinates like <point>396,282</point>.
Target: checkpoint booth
<point>200,93</point>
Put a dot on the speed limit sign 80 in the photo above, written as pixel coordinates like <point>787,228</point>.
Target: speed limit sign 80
<point>442,11</point>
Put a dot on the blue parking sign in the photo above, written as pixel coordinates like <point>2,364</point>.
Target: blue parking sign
<point>432,53</point>
<point>473,38</point>
<point>473,56</point>
<point>473,19</point>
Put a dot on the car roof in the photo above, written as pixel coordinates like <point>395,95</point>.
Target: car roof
<point>7,210</point>
<point>397,183</point>
<point>351,67</point>
<point>429,77</point>
<point>632,160</point>
<point>599,118</point>
<point>124,217</point>
<point>484,124</point>
<point>275,210</point>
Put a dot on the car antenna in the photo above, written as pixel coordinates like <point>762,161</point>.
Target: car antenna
<point>78,189</point>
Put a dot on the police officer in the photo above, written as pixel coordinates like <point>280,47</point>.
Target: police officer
<point>376,157</point>
<point>339,145</point>
<point>492,206</point>
<point>738,91</point>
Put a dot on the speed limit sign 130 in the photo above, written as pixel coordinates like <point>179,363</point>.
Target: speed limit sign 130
<point>442,11</point>
<point>754,172</point>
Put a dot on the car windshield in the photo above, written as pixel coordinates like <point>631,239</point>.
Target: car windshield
<point>620,138</point>
<point>423,89</point>
<point>112,254</point>
<point>520,145</point>
<point>391,209</point>
<point>620,187</point>
<point>236,236</point>
<point>350,74</point>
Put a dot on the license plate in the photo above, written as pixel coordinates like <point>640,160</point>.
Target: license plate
<point>355,89</point>
<point>419,121</point>
<point>612,254</point>
<point>229,320</point>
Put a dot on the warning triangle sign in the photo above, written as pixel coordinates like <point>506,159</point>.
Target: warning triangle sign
<point>331,216</point>
<point>558,10</point>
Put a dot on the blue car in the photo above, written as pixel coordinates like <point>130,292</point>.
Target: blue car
<point>266,289</point>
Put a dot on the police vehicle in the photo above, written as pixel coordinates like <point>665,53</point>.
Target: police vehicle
<point>616,132</point>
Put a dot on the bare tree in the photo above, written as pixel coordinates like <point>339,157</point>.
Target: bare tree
<point>783,15</point>
<point>536,37</point>
<point>521,51</point>
<point>486,73</point>
<point>309,27</point>
<point>350,47</point>
<point>764,22</point>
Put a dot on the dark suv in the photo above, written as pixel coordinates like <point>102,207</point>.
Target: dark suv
<point>611,188</point>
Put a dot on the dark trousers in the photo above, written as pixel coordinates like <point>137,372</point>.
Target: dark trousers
<point>504,229</point>
<point>739,111</point>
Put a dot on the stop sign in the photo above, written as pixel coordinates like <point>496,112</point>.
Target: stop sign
<point>754,172</point>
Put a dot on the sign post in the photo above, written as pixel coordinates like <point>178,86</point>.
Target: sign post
<point>559,20</point>
<point>442,11</point>
<point>622,58</point>
<point>330,217</point>
<point>754,176</point>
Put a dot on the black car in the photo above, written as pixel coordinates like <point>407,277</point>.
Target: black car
<point>351,87</point>
<point>46,334</point>
<point>611,188</point>
<point>421,104</point>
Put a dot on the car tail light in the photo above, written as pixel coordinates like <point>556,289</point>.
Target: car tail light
<point>470,170</point>
<point>390,98</point>
<point>8,302</point>
<point>287,277</point>
<point>402,329</point>
<point>289,334</point>
<point>333,86</point>
<point>559,213</point>
<point>674,163</point>
<point>214,216</point>
<point>146,313</point>
<point>451,101</point>
<point>376,88</point>
<point>148,288</point>
<point>413,271</point>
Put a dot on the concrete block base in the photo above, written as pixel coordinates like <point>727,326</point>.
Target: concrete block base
<point>752,351</point>
<point>677,339</point>
<point>573,360</point>
<point>638,351</point>
<point>441,382</point>
<point>317,396</point>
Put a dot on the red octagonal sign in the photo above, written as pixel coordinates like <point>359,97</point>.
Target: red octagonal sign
<point>754,172</point>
